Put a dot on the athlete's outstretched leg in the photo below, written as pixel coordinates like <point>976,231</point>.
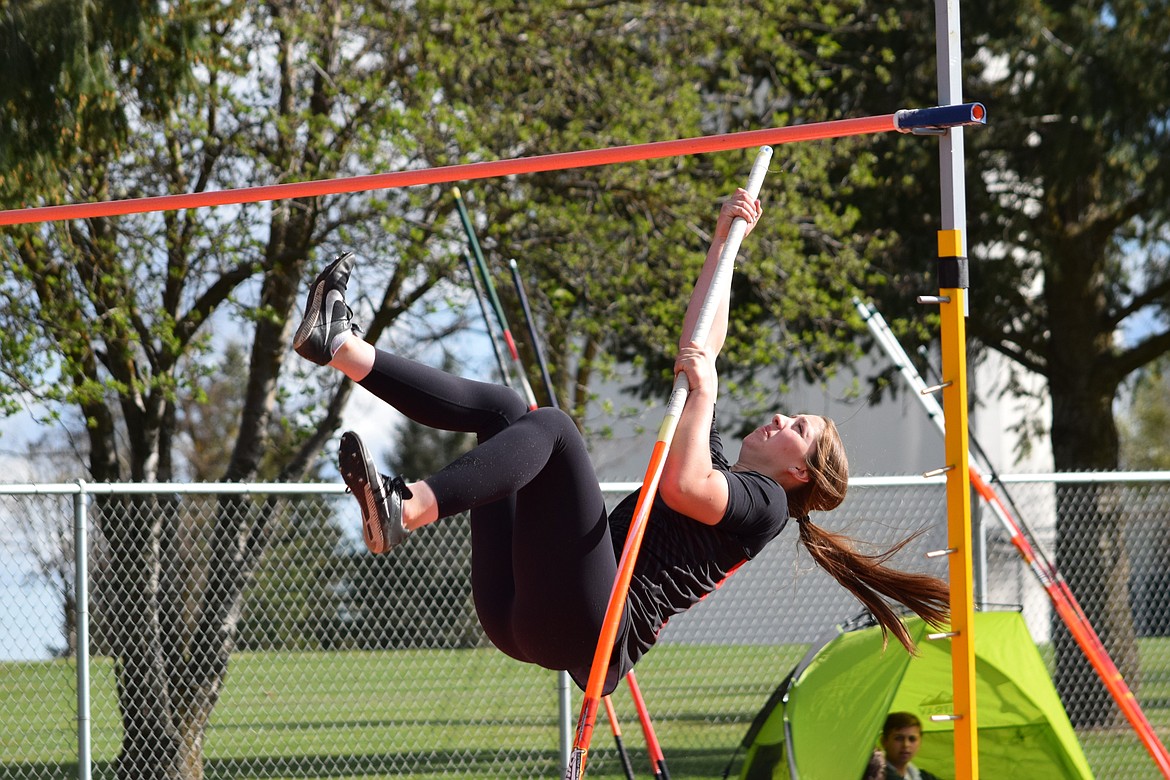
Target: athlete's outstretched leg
<point>437,399</point>
<point>427,395</point>
<point>543,562</point>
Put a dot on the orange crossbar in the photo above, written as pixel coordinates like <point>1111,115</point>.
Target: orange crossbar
<point>450,173</point>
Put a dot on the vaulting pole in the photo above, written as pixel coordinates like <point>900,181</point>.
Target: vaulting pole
<point>487,322</point>
<point>618,742</point>
<point>613,614</point>
<point>657,760</point>
<point>490,286</point>
<point>537,342</point>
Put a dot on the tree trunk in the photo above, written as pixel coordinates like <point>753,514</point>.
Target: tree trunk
<point>150,738</point>
<point>1091,554</point>
<point>169,676</point>
<point>196,714</point>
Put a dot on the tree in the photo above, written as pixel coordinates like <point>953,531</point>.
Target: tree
<point>1067,211</point>
<point>1090,229</point>
<point>46,541</point>
<point>1145,429</point>
<point>115,317</point>
<point>610,253</point>
<point>281,605</point>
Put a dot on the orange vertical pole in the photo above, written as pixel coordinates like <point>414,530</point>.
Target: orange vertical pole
<point>952,311</point>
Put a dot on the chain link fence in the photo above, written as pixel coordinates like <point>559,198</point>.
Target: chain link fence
<point>248,634</point>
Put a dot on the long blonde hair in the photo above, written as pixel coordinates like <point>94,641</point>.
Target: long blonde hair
<point>867,577</point>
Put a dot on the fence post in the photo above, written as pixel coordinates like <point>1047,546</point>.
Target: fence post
<point>81,652</point>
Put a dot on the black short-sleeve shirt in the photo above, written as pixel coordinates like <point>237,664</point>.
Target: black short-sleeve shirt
<point>682,560</point>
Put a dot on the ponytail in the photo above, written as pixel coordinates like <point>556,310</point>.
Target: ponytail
<point>869,579</point>
<point>865,576</point>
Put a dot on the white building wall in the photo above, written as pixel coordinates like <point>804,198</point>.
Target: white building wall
<point>894,437</point>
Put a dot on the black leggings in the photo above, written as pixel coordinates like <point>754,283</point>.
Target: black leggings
<point>542,563</point>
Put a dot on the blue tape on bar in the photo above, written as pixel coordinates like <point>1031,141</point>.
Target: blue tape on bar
<point>940,117</point>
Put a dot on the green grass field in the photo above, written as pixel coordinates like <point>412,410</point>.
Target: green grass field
<point>452,714</point>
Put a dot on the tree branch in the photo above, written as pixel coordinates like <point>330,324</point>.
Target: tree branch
<point>1143,352</point>
<point>210,300</point>
<point>1149,296</point>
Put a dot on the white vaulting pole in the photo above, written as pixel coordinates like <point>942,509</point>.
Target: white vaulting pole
<point>720,281</point>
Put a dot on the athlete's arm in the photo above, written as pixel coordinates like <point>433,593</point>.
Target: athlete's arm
<point>690,484</point>
<point>739,205</point>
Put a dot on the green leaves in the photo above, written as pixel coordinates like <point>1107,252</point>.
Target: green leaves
<point>615,250</point>
<point>1145,432</point>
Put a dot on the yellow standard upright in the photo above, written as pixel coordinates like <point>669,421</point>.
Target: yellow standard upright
<point>952,313</point>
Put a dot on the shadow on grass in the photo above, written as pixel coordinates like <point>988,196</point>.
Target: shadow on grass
<point>38,770</point>
<point>447,764</point>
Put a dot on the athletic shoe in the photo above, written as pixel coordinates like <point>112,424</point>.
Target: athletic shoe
<point>379,496</point>
<point>326,314</point>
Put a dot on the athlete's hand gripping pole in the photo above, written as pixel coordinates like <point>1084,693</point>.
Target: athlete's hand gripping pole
<point>719,283</point>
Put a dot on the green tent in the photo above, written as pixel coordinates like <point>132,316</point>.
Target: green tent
<point>823,722</point>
